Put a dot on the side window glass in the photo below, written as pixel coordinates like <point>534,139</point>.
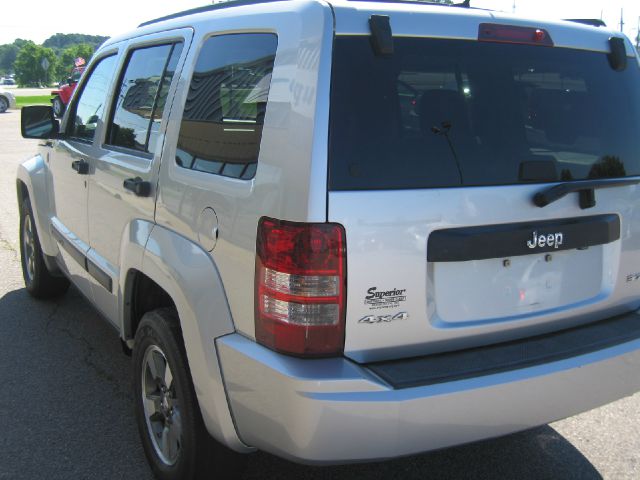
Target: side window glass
<point>142,91</point>
<point>158,110</point>
<point>90,105</point>
<point>222,123</point>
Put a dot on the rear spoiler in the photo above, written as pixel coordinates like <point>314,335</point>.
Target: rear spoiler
<point>594,22</point>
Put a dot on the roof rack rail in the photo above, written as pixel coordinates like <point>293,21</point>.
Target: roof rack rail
<point>237,3</point>
<point>462,4</point>
<point>594,22</point>
<point>206,8</point>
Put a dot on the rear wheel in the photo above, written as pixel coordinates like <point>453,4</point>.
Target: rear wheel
<point>175,440</point>
<point>4,104</point>
<point>37,278</point>
<point>58,107</point>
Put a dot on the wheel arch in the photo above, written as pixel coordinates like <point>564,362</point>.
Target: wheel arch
<point>31,183</point>
<point>179,273</point>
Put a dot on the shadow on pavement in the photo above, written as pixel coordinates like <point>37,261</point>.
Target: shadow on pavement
<point>66,412</point>
<point>535,454</point>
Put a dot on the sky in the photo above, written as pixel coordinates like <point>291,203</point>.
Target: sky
<point>38,19</point>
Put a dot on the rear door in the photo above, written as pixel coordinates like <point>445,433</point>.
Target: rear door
<point>436,155</point>
<point>123,187</point>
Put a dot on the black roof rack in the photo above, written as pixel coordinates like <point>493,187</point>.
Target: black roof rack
<point>594,22</point>
<point>462,4</point>
<point>206,8</point>
<point>237,3</point>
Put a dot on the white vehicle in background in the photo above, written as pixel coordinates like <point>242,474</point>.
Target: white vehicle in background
<point>7,100</point>
<point>347,231</point>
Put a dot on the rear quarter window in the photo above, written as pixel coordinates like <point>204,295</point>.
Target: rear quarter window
<point>224,113</point>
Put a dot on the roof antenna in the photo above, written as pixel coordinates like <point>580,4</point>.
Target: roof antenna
<point>465,4</point>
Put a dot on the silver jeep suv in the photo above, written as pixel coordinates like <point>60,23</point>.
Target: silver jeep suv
<point>343,231</point>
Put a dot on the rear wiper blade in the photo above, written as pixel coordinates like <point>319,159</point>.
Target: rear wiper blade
<point>586,188</point>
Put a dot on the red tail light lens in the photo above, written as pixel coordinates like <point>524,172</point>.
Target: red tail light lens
<point>492,32</point>
<point>300,287</point>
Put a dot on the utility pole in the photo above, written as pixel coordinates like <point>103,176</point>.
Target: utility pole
<point>622,19</point>
<point>513,9</point>
<point>638,36</point>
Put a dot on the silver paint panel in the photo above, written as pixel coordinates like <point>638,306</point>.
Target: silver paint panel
<point>112,208</point>
<point>188,274</point>
<point>387,235</point>
<point>435,21</point>
<point>292,162</point>
<point>331,411</point>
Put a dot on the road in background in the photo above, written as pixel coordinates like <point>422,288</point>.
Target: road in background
<point>27,92</point>
<point>66,407</point>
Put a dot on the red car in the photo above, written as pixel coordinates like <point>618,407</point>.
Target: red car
<point>62,96</point>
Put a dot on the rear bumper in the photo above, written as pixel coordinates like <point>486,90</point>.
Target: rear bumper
<point>335,411</point>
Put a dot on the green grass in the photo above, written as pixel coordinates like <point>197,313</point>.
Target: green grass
<point>33,100</point>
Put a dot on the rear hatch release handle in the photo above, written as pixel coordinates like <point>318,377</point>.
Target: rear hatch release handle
<point>586,191</point>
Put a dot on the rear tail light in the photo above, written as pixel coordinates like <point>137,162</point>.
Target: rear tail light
<point>493,32</point>
<point>300,287</point>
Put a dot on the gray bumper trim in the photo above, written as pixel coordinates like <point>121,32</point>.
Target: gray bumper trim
<point>502,357</point>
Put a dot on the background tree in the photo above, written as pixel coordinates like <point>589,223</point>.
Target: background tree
<point>67,57</point>
<point>8,54</point>
<point>61,41</point>
<point>81,45</point>
<point>28,65</point>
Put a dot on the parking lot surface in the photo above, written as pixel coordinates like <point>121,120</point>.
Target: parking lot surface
<point>66,408</point>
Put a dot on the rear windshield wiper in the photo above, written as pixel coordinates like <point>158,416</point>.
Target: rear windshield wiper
<point>586,189</point>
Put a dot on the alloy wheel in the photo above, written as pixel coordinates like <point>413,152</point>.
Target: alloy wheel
<point>28,248</point>
<point>161,406</point>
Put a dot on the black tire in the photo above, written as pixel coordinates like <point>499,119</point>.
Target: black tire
<point>38,280</point>
<point>4,104</point>
<point>197,455</point>
<point>58,107</point>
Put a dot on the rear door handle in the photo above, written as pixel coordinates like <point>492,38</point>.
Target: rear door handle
<point>138,186</point>
<point>80,166</point>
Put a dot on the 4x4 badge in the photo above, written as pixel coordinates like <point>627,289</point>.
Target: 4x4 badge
<point>384,318</point>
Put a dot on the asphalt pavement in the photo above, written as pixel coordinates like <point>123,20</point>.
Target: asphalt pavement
<point>66,407</point>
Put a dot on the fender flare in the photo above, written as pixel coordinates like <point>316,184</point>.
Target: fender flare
<point>190,277</point>
<point>32,173</point>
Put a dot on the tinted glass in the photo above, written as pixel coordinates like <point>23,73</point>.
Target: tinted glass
<point>158,109</point>
<point>446,113</point>
<point>222,123</point>
<point>140,101</point>
<point>90,106</point>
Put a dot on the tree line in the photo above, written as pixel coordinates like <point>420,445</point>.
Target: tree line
<point>25,58</point>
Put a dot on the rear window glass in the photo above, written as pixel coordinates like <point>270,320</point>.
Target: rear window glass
<point>447,113</point>
<point>222,123</point>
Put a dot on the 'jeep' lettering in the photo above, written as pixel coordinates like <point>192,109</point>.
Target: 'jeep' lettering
<point>550,240</point>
